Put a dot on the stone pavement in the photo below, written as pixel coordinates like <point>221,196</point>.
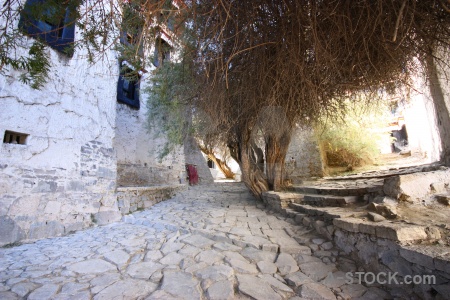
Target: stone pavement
<point>210,242</point>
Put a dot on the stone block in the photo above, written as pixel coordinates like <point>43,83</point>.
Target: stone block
<point>348,224</point>
<point>46,229</point>
<point>400,232</point>
<point>106,217</point>
<point>415,187</point>
<point>10,232</point>
<point>416,257</point>
<point>53,207</point>
<point>367,228</point>
<point>442,263</point>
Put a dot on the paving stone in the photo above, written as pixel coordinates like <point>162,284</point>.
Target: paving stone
<point>23,288</point>
<point>221,290</point>
<point>317,270</point>
<point>334,280</point>
<point>216,273</point>
<point>276,284</point>
<point>171,247</point>
<point>82,295</point>
<point>153,255</point>
<point>286,264</point>
<point>234,255</point>
<point>196,267</point>
<point>255,241</point>
<point>127,289</point>
<point>91,266</point>
<point>256,255</point>
<point>172,258</point>
<point>266,267</point>
<point>226,247</point>
<point>99,283</point>
<point>353,290</point>
<point>143,270</point>
<point>270,247</point>
<point>181,285</point>
<point>241,266</point>
<point>315,291</point>
<point>72,288</point>
<point>199,241</point>
<point>256,287</point>
<point>46,291</point>
<point>189,251</point>
<point>118,257</point>
<point>9,296</point>
<point>297,279</point>
<point>209,256</point>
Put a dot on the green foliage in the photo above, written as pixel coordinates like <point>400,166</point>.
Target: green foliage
<point>352,137</point>
<point>167,104</point>
<point>37,67</point>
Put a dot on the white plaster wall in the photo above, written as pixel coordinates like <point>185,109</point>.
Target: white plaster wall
<point>138,147</point>
<point>421,123</point>
<point>64,176</point>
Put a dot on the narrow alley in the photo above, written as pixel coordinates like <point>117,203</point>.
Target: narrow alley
<point>210,242</point>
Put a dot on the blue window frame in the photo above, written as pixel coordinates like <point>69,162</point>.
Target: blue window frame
<point>50,21</point>
<point>128,90</point>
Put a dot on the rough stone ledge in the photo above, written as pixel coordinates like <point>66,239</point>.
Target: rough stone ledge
<point>149,188</point>
<point>131,199</point>
<point>433,257</point>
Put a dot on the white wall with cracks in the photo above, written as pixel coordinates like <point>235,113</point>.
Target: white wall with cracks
<point>64,178</point>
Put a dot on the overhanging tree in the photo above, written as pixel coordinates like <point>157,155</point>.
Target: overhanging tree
<point>301,59</point>
<point>294,59</point>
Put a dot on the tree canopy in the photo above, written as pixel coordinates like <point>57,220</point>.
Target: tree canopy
<point>257,68</point>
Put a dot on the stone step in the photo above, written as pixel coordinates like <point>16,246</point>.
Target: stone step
<point>330,200</point>
<point>337,191</point>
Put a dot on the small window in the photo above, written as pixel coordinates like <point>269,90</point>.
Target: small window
<point>211,164</point>
<point>162,52</point>
<point>12,137</point>
<point>52,22</point>
<point>128,88</point>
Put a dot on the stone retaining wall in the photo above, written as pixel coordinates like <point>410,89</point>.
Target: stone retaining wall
<point>131,199</point>
<point>378,247</point>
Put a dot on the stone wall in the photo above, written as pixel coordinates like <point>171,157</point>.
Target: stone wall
<point>131,199</point>
<point>379,248</point>
<point>303,157</point>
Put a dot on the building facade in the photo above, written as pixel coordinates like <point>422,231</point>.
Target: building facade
<point>78,151</point>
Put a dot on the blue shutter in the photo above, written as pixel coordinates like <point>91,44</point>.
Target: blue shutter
<point>122,96</point>
<point>47,32</point>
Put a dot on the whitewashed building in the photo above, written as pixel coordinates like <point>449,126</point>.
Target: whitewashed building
<point>77,152</point>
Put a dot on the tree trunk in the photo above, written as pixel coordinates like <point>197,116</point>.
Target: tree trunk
<point>252,176</point>
<point>442,108</point>
<point>276,149</point>
<point>222,165</point>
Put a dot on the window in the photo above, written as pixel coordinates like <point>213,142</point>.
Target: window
<point>52,22</point>
<point>128,88</point>
<point>162,52</point>
<point>12,137</point>
<point>211,164</point>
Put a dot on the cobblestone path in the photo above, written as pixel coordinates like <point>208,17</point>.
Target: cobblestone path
<point>208,243</point>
